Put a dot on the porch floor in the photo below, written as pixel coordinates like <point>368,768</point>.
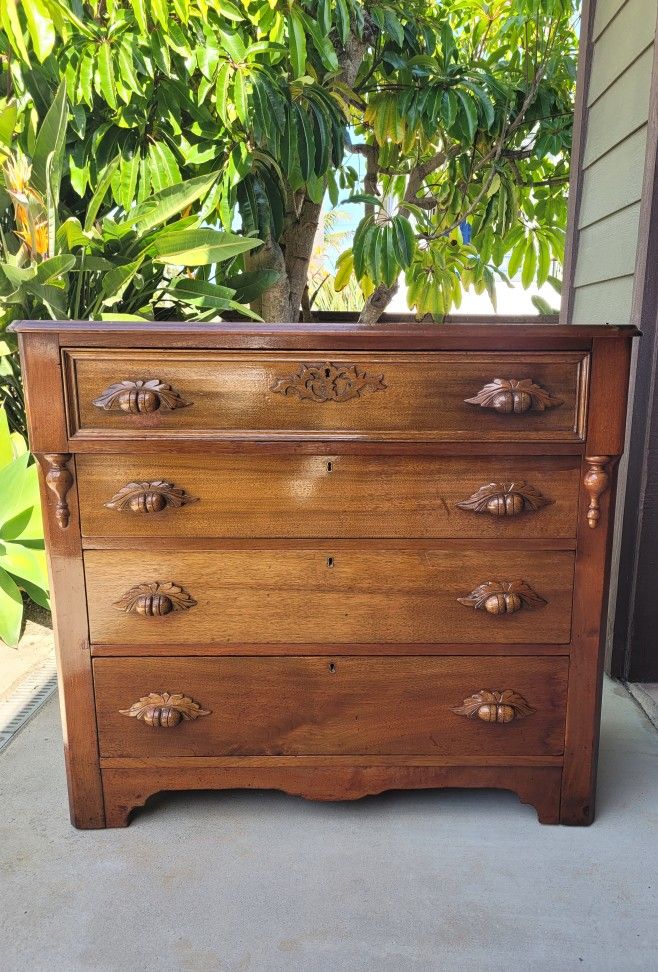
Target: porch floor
<point>262,882</point>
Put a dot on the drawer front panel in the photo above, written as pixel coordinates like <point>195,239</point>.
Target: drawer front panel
<point>335,594</point>
<point>327,496</point>
<point>361,395</point>
<point>316,706</point>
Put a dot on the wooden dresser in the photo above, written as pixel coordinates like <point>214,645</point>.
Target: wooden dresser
<point>330,560</point>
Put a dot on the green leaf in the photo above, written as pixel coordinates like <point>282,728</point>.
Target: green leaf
<point>163,166</point>
<point>470,113</point>
<point>229,10</point>
<point>24,563</point>
<point>297,43</point>
<point>11,610</point>
<point>102,188</point>
<point>19,489</point>
<point>529,263</point>
<point>202,293</point>
<point>240,96</point>
<point>403,241</point>
<point>250,285</point>
<point>7,124</point>
<point>232,44</point>
<point>516,257</point>
<point>12,25</point>
<point>50,139</point>
<point>139,9</point>
<point>6,450</point>
<point>196,248</point>
<point>543,260</point>
<point>40,27</point>
<point>106,74</point>
<point>168,203</point>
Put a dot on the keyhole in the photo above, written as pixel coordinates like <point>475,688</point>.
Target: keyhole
<point>332,667</point>
<point>330,466</point>
<point>327,372</point>
<point>330,561</point>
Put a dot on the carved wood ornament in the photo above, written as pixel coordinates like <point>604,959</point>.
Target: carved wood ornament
<point>512,395</point>
<point>165,710</point>
<point>505,499</point>
<point>155,599</point>
<point>495,706</point>
<point>139,397</point>
<point>597,481</point>
<point>149,497</point>
<point>59,480</point>
<point>328,382</point>
<point>496,597</point>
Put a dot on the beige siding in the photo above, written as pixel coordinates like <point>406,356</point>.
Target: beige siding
<point>626,38</point>
<point>613,160</point>
<point>614,181</point>
<point>604,303</point>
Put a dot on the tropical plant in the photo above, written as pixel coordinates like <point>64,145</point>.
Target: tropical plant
<point>148,261</point>
<point>460,112</point>
<point>22,557</point>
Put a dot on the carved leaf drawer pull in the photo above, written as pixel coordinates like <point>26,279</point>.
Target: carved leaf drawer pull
<point>139,397</point>
<point>165,710</point>
<point>505,499</point>
<point>509,395</point>
<point>328,382</point>
<point>155,599</point>
<point>495,706</point>
<point>149,497</point>
<point>496,597</point>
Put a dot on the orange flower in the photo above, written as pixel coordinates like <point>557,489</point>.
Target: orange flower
<point>29,209</point>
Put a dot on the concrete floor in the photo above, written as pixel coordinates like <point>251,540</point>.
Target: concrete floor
<point>262,882</point>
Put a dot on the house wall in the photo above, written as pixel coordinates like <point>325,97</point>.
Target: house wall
<point>616,108</point>
<point>607,255</point>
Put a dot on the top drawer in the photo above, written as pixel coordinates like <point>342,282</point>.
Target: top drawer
<point>360,395</point>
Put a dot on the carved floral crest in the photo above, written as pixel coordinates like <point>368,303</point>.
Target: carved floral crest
<point>149,497</point>
<point>514,395</point>
<point>495,706</point>
<point>498,597</point>
<point>505,499</point>
<point>328,382</point>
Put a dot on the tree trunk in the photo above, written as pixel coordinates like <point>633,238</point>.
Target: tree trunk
<point>274,305</point>
<point>377,303</point>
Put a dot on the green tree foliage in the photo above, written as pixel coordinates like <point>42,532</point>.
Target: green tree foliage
<point>461,111</point>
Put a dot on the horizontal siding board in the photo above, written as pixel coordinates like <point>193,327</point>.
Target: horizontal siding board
<point>621,110</point>
<point>607,249</point>
<point>631,32</point>
<point>605,11</point>
<point>608,302</point>
<point>615,181</point>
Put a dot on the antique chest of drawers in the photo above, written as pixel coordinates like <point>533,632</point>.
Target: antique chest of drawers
<point>331,560</point>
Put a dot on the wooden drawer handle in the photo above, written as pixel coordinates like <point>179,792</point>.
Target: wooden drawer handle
<point>148,498</point>
<point>155,599</point>
<point>328,382</point>
<point>495,706</point>
<point>163,711</point>
<point>496,597</point>
<point>514,395</point>
<point>139,397</point>
<point>505,499</point>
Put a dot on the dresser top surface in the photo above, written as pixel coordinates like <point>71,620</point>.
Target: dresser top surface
<point>402,336</point>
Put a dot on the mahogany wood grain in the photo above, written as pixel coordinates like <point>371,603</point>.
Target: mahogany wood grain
<point>41,370</point>
<point>331,648</point>
<point>405,396</point>
<point>328,495</point>
<point>126,789</point>
<point>353,593</point>
<point>312,706</point>
<point>609,389</point>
